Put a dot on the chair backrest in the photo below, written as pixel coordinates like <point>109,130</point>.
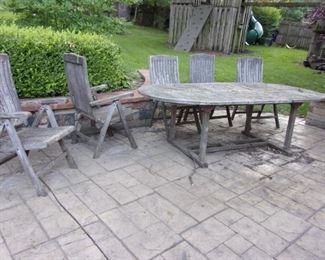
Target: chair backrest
<point>163,69</point>
<point>9,101</point>
<point>250,70</point>
<point>77,77</point>
<point>202,68</point>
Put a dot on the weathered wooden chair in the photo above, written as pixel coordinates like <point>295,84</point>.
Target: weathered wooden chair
<point>163,69</point>
<point>98,111</point>
<point>202,70</point>
<point>250,70</point>
<point>15,142</point>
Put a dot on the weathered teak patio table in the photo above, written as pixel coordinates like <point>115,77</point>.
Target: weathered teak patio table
<point>208,95</point>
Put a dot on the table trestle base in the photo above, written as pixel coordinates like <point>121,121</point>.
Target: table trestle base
<point>192,155</point>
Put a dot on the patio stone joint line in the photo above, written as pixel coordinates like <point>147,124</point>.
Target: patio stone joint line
<point>70,214</point>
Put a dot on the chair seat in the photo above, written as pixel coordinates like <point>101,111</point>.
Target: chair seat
<point>36,138</point>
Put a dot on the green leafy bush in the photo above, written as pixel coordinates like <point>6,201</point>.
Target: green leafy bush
<point>293,14</point>
<point>7,17</point>
<point>36,56</point>
<point>269,17</point>
<point>79,15</point>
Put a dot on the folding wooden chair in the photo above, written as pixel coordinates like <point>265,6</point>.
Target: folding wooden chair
<point>202,70</point>
<point>19,142</point>
<point>98,111</point>
<point>163,69</point>
<point>250,70</point>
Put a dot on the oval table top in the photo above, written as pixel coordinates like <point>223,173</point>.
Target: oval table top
<point>229,93</point>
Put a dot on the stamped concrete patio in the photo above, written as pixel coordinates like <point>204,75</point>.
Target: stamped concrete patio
<point>139,204</point>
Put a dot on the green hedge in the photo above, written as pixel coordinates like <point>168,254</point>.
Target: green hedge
<point>36,56</point>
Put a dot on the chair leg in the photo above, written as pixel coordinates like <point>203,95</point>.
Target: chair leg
<point>228,116</point>
<point>70,160</point>
<point>276,116</point>
<point>110,132</point>
<point>24,159</point>
<point>197,120</point>
<point>180,115</point>
<point>260,112</point>
<point>2,126</point>
<point>103,131</point>
<point>187,111</point>
<point>154,108</point>
<point>234,112</point>
<point>74,135</point>
<point>126,126</point>
<point>164,114</point>
<point>212,112</point>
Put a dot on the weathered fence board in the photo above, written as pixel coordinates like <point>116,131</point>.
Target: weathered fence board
<point>294,34</point>
<point>224,29</point>
<point>193,29</point>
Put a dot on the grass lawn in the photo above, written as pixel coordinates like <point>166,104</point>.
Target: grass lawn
<point>281,65</point>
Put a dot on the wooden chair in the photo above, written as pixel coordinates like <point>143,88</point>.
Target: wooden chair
<point>99,112</point>
<point>202,70</point>
<point>15,142</point>
<point>250,70</point>
<point>163,69</point>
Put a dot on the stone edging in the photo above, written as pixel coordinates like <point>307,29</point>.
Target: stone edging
<point>65,103</point>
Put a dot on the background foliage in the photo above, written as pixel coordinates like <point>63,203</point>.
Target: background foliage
<point>269,17</point>
<point>293,14</point>
<point>85,15</point>
<point>36,56</point>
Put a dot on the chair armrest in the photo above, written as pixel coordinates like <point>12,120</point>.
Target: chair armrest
<point>98,88</point>
<point>15,115</point>
<point>108,100</point>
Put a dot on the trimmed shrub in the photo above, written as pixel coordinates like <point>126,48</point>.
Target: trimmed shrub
<point>36,56</point>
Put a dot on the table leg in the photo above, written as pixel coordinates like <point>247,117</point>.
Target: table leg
<point>248,124</point>
<point>197,120</point>
<point>172,129</point>
<point>205,115</point>
<point>291,124</point>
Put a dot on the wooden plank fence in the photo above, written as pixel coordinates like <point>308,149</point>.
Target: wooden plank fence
<point>294,34</point>
<point>224,31</point>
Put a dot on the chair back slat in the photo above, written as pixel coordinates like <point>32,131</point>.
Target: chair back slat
<point>77,77</point>
<point>163,69</point>
<point>250,70</point>
<point>202,68</point>
<point>9,101</point>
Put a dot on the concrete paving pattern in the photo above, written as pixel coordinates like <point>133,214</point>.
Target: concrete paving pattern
<point>139,204</point>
